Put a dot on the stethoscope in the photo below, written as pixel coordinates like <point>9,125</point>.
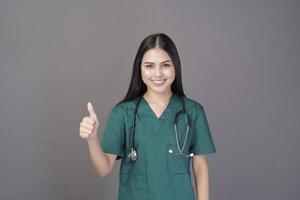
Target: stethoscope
<point>133,153</point>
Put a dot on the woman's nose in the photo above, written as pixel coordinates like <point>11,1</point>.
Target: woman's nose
<point>157,71</point>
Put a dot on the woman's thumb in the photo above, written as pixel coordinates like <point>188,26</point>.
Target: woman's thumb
<point>91,110</point>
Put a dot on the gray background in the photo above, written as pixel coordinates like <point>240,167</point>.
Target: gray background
<point>240,60</point>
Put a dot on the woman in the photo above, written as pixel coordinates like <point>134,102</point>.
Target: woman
<point>141,131</point>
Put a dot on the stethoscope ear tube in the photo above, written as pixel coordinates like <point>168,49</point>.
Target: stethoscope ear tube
<point>133,153</point>
<point>183,111</point>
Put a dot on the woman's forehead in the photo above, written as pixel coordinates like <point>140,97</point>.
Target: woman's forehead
<point>156,55</point>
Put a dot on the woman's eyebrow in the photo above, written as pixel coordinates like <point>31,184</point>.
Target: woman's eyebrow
<point>161,62</point>
<point>166,61</point>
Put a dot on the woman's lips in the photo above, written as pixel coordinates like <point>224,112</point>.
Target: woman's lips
<point>159,82</point>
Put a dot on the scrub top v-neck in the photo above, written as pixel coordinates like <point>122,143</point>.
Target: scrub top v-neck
<point>159,173</point>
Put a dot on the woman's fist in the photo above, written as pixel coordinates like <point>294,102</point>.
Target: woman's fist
<point>89,124</point>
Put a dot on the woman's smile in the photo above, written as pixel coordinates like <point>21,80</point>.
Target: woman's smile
<point>159,82</point>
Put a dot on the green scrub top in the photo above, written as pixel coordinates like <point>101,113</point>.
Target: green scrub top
<point>159,173</point>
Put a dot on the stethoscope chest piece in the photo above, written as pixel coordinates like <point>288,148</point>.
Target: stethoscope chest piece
<point>133,154</point>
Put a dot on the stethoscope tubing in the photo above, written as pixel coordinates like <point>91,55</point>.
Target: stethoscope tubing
<point>133,153</point>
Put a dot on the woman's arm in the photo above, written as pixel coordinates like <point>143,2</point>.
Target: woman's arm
<point>200,170</point>
<point>102,162</point>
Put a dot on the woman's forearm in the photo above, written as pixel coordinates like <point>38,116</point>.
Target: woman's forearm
<point>202,183</point>
<point>99,159</point>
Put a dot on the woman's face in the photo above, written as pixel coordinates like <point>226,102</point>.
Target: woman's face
<point>157,70</point>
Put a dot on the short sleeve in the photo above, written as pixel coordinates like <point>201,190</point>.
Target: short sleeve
<point>202,142</point>
<point>113,136</point>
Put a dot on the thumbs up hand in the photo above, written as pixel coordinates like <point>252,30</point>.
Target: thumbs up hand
<point>89,124</point>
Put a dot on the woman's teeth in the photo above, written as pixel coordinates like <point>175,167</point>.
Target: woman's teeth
<point>158,82</point>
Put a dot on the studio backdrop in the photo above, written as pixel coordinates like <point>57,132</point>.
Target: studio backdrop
<point>240,60</point>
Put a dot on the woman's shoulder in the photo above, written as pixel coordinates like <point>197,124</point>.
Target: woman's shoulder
<point>124,107</point>
<point>193,105</point>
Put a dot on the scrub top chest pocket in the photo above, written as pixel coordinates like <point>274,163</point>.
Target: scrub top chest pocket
<point>176,151</point>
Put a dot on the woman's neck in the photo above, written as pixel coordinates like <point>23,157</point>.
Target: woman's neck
<point>158,98</point>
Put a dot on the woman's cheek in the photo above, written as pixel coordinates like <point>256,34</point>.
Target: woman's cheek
<point>146,75</point>
<point>170,73</point>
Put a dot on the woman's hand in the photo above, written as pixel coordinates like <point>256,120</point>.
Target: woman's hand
<point>89,124</point>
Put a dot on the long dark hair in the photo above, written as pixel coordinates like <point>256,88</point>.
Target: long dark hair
<point>137,87</point>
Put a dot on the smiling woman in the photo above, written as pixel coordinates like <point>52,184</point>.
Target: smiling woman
<point>155,130</point>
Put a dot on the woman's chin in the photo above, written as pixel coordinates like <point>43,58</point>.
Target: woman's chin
<point>160,90</point>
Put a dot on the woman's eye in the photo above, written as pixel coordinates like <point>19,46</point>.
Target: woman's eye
<point>166,65</point>
<point>148,66</point>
